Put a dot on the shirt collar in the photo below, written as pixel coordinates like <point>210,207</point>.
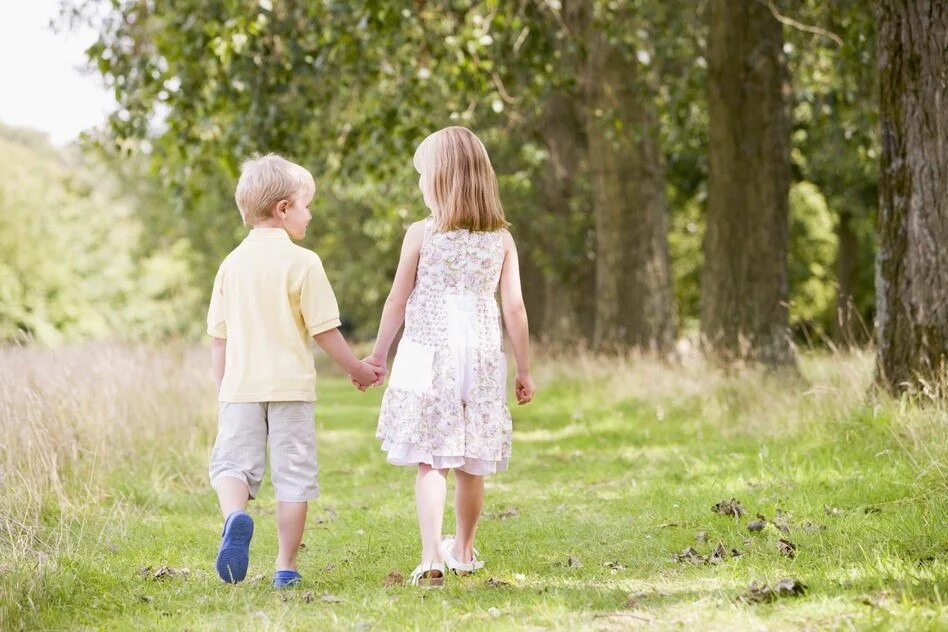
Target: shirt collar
<point>267,233</point>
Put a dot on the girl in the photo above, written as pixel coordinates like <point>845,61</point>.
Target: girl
<point>445,406</point>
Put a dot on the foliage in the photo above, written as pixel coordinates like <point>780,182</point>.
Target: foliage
<point>71,266</point>
<point>349,88</point>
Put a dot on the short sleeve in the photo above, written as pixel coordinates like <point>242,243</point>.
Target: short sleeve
<point>317,301</point>
<point>216,314</point>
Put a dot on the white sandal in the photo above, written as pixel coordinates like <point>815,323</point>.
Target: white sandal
<point>456,565</point>
<point>431,576</point>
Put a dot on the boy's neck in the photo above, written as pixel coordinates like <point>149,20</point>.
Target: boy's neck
<point>268,223</point>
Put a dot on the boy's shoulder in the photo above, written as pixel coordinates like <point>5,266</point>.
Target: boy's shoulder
<point>304,255</point>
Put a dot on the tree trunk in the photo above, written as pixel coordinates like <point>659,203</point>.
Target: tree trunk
<point>744,285</point>
<point>912,231</point>
<point>847,317</point>
<point>569,281</point>
<point>633,276</point>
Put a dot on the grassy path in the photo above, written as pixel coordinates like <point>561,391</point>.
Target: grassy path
<point>602,493</point>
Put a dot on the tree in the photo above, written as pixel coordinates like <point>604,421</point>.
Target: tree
<point>744,282</point>
<point>911,261</point>
<point>626,167</point>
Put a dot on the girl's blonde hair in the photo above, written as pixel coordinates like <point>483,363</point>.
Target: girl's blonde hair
<point>266,180</point>
<point>460,181</point>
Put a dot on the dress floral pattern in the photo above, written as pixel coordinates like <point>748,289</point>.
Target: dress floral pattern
<point>445,404</point>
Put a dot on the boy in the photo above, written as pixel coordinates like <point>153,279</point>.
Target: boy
<point>269,297</point>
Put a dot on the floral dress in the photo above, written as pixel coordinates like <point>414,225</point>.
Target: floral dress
<point>446,402</point>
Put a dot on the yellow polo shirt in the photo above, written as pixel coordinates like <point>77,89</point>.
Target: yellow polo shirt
<point>270,297</point>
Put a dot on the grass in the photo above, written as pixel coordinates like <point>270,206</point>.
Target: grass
<point>616,467</point>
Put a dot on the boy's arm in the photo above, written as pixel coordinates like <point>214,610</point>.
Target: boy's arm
<point>218,355</point>
<point>336,347</point>
<point>393,314</point>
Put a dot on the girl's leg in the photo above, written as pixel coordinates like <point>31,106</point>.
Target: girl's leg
<point>430,490</point>
<point>291,519</point>
<point>232,495</point>
<point>468,500</point>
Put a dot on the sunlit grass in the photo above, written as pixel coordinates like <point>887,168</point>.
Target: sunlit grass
<point>616,464</point>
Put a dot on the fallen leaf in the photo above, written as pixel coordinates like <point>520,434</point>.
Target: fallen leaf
<point>573,562</point>
<point>832,511</point>
<point>756,525</point>
<point>497,583</point>
<point>766,593</point>
<point>634,600</point>
<point>872,510</point>
<point>163,572</point>
<point>331,599</point>
<point>701,537</point>
<point>510,512</point>
<point>786,547</point>
<point>731,507</point>
<point>690,555</point>
<point>330,567</point>
<point>146,598</point>
<point>494,612</point>
<point>812,527</point>
<point>616,566</point>
<point>302,546</point>
<point>394,578</point>
<point>520,577</point>
<point>256,578</point>
<point>308,596</point>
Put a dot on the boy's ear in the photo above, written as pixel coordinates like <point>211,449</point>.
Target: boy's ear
<point>280,209</point>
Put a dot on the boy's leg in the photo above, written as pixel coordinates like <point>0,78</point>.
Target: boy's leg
<point>232,495</point>
<point>236,469</point>
<point>430,490</point>
<point>239,457</point>
<point>294,472</point>
<point>291,520</point>
<point>468,500</point>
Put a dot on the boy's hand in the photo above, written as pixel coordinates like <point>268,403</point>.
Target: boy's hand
<point>524,388</point>
<point>379,363</point>
<point>367,375</point>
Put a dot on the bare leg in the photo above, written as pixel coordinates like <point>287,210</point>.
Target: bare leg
<point>430,489</point>
<point>468,500</point>
<point>232,495</point>
<point>291,519</point>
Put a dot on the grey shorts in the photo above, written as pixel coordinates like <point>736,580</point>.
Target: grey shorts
<point>244,431</point>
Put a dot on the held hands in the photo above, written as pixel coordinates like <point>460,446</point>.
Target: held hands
<point>524,387</point>
<point>371,372</point>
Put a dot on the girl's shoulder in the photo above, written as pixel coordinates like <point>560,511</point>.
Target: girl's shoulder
<point>507,239</point>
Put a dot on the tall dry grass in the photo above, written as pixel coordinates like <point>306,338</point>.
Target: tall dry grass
<point>70,417</point>
<point>827,386</point>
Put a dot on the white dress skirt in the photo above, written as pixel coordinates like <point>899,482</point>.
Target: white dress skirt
<point>446,400</point>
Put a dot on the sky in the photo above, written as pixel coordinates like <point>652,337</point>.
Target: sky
<point>43,84</point>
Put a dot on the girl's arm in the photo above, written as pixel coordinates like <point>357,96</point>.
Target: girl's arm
<point>515,320</point>
<point>336,347</point>
<point>218,355</point>
<point>393,314</point>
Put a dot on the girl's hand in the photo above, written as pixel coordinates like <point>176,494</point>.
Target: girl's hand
<point>524,387</point>
<point>380,363</point>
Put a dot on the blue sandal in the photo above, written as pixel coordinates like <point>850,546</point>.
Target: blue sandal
<point>286,579</point>
<point>234,554</point>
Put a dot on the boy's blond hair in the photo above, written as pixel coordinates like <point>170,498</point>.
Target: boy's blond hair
<point>460,181</point>
<point>265,181</point>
